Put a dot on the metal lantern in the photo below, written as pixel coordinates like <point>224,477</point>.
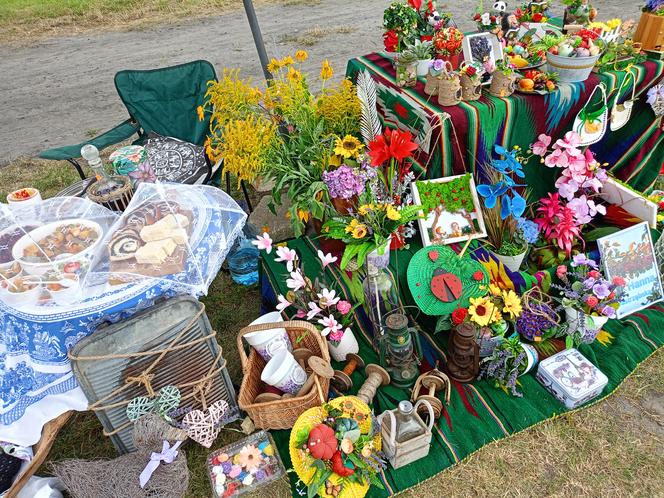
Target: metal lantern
<point>400,351</point>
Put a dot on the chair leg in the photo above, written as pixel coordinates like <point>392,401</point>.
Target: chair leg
<point>78,168</point>
<point>246,196</point>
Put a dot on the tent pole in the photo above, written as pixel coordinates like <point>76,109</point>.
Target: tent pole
<point>258,36</point>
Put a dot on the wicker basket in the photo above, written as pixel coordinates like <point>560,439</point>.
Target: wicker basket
<point>116,200</point>
<point>282,413</point>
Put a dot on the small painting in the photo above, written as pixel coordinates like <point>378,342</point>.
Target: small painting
<point>451,210</point>
<point>629,254</point>
<point>483,48</point>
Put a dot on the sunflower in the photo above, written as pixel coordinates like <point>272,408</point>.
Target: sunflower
<point>481,311</point>
<point>393,213</point>
<point>326,71</point>
<point>335,160</point>
<point>301,55</point>
<point>351,226</point>
<point>364,209</point>
<point>359,231</point>
<point>512,304</point>
<point>348,147</point>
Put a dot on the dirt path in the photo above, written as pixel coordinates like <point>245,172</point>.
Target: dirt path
<point>61,90</point>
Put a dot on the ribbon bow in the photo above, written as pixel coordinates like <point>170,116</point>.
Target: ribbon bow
<point>168,455</point>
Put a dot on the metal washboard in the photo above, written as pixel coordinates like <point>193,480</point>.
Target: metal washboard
<point>151,330</point>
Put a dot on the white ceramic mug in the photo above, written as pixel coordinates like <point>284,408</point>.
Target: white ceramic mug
<point>268,342</point>
<point>284,373</point>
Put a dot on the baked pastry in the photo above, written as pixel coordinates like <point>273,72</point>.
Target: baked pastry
<point>124,244</point>
<point>155,253</point>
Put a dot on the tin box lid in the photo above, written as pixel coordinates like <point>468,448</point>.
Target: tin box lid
<point>573,373</point>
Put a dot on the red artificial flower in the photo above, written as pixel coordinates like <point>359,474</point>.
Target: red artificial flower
<point>391,41</point>
<point>592,301</point>
<point>426,38</point>
<point>459,315</point>
<point>392,144</point>
<point>619,281</point>
<point>593,274</point>
<point>416,4</point>
<point>471,71</point>
<point>537,17</point>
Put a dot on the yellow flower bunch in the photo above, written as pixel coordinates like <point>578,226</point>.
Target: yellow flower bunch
<point>339,106</point>
<point>244,145</point>
<point>356,229</point>
<point>230,98</point>
<point>489,309</point>
<point>613,23</point>
<point>326,71</point>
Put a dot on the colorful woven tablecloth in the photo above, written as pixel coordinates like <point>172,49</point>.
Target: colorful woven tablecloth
<point>460,138</point>
<point>478,413</point>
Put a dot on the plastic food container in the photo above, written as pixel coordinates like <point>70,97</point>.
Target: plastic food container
<point>571,378</point>
<point>244,466</point>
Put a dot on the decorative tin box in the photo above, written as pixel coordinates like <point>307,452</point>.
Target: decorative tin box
<point>571,378</point>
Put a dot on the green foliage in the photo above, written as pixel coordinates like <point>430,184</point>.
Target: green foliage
<point>455,195</point>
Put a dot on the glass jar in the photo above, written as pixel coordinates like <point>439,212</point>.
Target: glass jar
<point>408,425</point>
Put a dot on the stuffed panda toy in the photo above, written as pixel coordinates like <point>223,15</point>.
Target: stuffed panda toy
<point>499,10</point>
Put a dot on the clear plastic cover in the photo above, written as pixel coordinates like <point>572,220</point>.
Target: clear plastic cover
<point>173,235</point>
<point>46,248</point>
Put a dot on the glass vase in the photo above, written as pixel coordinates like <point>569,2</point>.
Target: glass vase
<point>381,297</point>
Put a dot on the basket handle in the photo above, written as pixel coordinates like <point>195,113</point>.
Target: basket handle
<point>261,327</point>
<point>393,424</point>
<point>429,408</point>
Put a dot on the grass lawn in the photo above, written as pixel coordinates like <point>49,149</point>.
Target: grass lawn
<point>614,448</point>
<point>23,21</point>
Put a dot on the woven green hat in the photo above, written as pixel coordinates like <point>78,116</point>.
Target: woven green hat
<point>440,281</point>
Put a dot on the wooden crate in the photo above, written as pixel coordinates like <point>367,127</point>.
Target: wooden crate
<point>650,32</point>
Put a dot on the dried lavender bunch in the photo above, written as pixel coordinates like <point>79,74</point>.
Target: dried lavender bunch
<point>505,365</point>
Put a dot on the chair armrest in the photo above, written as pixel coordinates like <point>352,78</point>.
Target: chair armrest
<point>113,136</point>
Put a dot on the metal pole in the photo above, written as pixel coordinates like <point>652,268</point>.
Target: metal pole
<point>258,36</point>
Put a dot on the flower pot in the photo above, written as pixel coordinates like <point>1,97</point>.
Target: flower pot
<point>455,60</point>
<point>346,346</point>
<point>593,324</point>
<point>344,206</point>
<point>334,246</point>
<point>532,357</point>
<point>431,85</point>
<point>449,91</point>
<point>471,89</point>
<point>406,74</point>
<point>502,85</point>
<point>650,32</point>
<point>512,263</point>
<point>423,67</point>
<point>380,256</point>
<point>284,373</point>
<point>571,69</point>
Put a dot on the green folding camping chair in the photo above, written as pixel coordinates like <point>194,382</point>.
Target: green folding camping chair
<point>162,101</point>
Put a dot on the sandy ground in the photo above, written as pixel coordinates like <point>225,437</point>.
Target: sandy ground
<point>60,91</point>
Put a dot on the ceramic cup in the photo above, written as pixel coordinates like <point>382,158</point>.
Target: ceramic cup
<point>284,373</point>
<point>268,342</point>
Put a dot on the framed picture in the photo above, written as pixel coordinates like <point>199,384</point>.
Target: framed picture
<point>635,203</point>
<point>481,48</point>
<point>629,254</point>
<point>451,210</point>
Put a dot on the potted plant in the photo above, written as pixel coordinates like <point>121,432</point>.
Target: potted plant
<point>510,360</point>
<point>285,133</point>
<point>447,44</point>
<point>423,52</point>
<point>508,234</point>
<point>578,12</point>
<point>650,31</point>
<point>589,299</point>
<point>406,69</point>
<point>400,22</point>
<point>313,300</point>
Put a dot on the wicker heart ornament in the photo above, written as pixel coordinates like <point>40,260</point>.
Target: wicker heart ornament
<point>204,426</point>
<point>166,401</point>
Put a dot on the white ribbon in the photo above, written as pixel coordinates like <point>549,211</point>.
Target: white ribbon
<point>168,455</point>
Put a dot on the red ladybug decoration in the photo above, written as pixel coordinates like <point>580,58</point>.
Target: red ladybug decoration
<point>445,286</point>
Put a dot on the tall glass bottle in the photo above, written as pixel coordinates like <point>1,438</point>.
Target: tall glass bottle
<point>408,425</point>
<point>381,297</point>
<point>105,183</point>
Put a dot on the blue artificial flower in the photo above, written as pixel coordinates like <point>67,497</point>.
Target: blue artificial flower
<point>492,193</point>
<point>508,165</point>
<point>529,230</point>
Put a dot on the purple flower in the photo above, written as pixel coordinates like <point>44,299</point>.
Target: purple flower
<point>344,182</point>
<point>144,173</point>
<point>438,65</point>
<point>608,311</point>
<point>582,260</point>
<point>589,282</point>
<point>601,290</point>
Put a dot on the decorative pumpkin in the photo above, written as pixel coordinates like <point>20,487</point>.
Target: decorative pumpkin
<point>322,442</point>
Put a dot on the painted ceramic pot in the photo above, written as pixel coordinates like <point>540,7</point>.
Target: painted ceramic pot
<point>284,373</point>
<point>592,326</point>
<point>346,346</point>
<point>268,342</point>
